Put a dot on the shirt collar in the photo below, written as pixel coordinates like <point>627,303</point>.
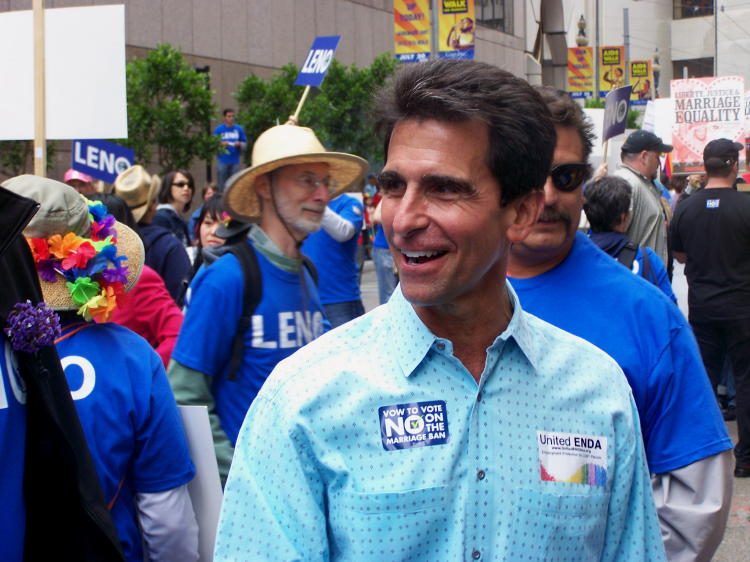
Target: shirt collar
<point>411,340</point>
<point>637,173</point>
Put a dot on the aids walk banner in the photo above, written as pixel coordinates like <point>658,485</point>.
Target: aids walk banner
<point>611,69</point>
<point>706,109</point>
<point>411,30</point>
<point>456,29</point>
<point>641,78</point>
<point>581,72</point>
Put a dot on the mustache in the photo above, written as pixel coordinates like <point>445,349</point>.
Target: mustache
<point>550,214</point>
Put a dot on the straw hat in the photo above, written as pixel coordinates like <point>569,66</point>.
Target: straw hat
<point>63,210</point>
<point>137,188</point>
<point>285,145</point>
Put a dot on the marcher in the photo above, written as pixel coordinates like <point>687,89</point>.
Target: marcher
<point>711,236</point>
<point>82,183</point>
<point>175,196</point>
<point>563,278</point>
<point>164,252</point>
<point>640,165</point>
<point>286,189</point>
<point>85,260</point>
<point>447,424</point>
<point>52,502</point>
<point>333,251</point>
<point>233,142</point>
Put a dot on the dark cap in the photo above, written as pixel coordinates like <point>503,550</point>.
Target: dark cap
<point>232,228</point>
<point>721,152</point>
<point>641,140</point>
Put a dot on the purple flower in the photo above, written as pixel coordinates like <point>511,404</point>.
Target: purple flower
<point>31,327</point>
<point>118,274</point>
<point>46,270</point>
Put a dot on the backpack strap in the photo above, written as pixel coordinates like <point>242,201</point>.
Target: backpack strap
<point>252,292</point>
<point>627,255</point>
<point>647,267</point>
<point>311,269</point>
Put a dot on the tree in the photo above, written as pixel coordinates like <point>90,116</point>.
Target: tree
<point>16,157</point>
<point>170,108</point>
<point>339,111</point>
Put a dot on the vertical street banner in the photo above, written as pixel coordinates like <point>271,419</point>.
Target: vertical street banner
<point>642,79</point>
<point>581,72</point>
<point>456,29</point>
<point>706,109</point>
<point>411,30</point>
<point>611,69</point>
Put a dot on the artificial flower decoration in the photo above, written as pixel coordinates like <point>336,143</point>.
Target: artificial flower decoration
<point>31,327</point>
<point>226,218</point>
<point>92,270</point>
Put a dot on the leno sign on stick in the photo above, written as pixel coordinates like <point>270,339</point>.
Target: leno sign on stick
<point>314,70</point>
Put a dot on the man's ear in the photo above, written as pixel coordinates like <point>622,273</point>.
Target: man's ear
<point>528,209</point>
<point>263,187</point>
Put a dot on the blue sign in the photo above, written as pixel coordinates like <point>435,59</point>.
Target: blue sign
<point>318,60</point>
<point>616,107</point>
<point>101,159</point>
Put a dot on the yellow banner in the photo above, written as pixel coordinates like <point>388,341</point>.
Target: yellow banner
<point>456,29</point>
<point>642,80</point>
<point>611,69</point>
<point>411,21</point>
<point>581,72</point>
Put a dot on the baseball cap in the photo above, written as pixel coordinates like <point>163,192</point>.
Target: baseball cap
<point>72,174</point>
<point>721,152</point>
<point>641,140</point>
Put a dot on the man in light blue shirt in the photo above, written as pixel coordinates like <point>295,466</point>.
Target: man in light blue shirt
<point>447,424</point>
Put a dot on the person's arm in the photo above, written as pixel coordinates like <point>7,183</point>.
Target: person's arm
<point>176,271</point>
<point>680,256</point>
<point>159,314</point>
<point>336,226</point>
<point>274,504</point>
<point>243,140</point>
<point>693,505</point>
<point>168,525</point>
<point>192,388</point>
<point>659,276</point>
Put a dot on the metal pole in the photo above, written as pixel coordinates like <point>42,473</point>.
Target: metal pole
<point>40,128</point>
<point>626,41</point>
<point>435,41</point>
<point>716,38</point>
<point>596,54</point>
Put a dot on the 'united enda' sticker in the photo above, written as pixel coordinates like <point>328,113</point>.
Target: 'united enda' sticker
<point>572,457</point>
<point>419,424</point>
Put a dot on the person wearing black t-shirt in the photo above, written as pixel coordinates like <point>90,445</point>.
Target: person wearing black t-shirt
<point>710,233</point>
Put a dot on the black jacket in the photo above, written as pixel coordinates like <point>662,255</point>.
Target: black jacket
<point>66,515</point>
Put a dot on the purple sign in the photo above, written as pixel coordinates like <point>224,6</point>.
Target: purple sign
<point>616,107</point>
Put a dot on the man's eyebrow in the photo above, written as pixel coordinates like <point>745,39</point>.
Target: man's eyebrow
<point>447,183</point>
<point>389,176</point>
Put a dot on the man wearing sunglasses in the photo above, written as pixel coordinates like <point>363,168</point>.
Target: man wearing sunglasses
<point>640,166</point>
<point>563,278</point>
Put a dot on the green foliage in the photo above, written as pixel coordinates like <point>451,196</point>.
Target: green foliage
<point>339,111</point>
<point>594,103</point>
<point>170,109</point>
<point>16,157</point>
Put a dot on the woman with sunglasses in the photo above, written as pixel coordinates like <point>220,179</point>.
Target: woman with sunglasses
<point>174,198</point>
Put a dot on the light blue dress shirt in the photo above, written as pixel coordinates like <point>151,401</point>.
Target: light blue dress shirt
<point>375,443</point>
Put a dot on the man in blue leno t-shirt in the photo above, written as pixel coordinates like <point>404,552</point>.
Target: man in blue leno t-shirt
<point>448,424</point>
<point>562,277</point>
<point>285,191</point>
<point>332,249</point>
<point>233,142</point>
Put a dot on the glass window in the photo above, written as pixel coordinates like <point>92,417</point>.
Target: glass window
<point>692,8</point>
<point>496,14</point>
<point>695,67</point>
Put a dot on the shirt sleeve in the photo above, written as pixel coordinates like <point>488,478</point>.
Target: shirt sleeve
<point>674,233</point>
<point>168,525</point>
<point>632,531</point>
<point>160,313</point>
<point>274,505</point>
<point>659,275</point>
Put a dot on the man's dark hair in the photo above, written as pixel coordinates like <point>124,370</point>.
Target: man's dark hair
<point>718,168</point>
<point>567,113</point>
<point>521,135</point>
<point>605,201</point>
<point>227,110</point>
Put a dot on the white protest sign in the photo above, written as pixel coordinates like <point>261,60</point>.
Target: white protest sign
<point>84,73</point>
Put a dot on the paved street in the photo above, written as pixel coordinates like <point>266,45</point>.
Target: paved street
<point>736,543</point>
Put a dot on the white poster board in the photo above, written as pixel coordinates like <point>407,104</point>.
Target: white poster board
<point>85,73</point>
<point>205,488</point>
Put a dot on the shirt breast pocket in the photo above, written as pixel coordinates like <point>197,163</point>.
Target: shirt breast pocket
<point>558,526</point>
<point>414,522</point>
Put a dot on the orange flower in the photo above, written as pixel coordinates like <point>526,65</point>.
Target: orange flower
<point>101,306</point>
<point>63,247</point>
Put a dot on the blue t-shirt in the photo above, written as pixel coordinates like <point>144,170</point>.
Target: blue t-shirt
<point>230,154</point>
<point>129,416</point>
<point>338,274</point>
<point>12,444</point>
<point>380,240</point>
<point>288,316</point>
<point>592,296</point>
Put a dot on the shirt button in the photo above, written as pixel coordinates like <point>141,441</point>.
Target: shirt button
<point>481,475</point>
<point>479,396</point>
<point>476,555</point>
<point>440,346</point>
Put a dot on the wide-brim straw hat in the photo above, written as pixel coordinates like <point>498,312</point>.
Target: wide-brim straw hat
<point>137,188</point>
<point>286,145</point>
<point>62,210</point>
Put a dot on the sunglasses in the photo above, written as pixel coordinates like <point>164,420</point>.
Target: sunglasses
<point>182,184</point>
<point>568,177</point>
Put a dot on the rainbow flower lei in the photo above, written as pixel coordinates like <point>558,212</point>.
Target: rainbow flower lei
<point>92,270</point>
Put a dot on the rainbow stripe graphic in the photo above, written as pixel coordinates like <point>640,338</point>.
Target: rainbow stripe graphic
<point>590,473</point>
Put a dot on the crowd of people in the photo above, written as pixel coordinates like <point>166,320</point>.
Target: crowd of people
<point>523,391</point>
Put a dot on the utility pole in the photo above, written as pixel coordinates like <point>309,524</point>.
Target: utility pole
<point>596,54</point>
<point>626,41</point>
<point>716,38</point>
